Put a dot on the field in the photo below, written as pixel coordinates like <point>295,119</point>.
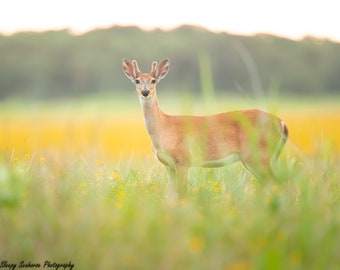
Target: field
<point>79,186</point>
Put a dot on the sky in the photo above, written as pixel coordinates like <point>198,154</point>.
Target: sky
<point>290,18</point>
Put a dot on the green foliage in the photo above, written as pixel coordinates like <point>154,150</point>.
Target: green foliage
<point>116,216</point>
<point>59,64</point>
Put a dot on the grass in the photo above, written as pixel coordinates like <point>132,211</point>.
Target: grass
<point>101,211</point>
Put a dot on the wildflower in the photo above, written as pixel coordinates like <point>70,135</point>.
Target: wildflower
<point>275,189</point>
<point>99,162</point>
<point>253,180</point>
<point>27,156</point>
<point>81,185</point>
<point>182,202</point>
<point>116,176</point>
<point>203,186</point>
<point>120,195</point>
<point>196,244</point>
<point>240,265</point>
<point>155,187</point>
<point>119,205</point>
<point>295,258</point>
<point>228,197</point>
<point>217,188</point>
<point>267,199</point>
<point>42,160</point>
<point>196,189</point>
<point>15,160</point>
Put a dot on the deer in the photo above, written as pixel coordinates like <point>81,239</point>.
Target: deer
<point>253,137</point>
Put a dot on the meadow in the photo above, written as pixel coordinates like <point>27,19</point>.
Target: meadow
<point>80,186</point>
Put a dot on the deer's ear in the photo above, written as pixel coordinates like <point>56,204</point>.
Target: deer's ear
<point>162,69</point>
<point>129,69</point>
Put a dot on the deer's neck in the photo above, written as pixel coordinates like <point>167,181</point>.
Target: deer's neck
<point>152,116</point>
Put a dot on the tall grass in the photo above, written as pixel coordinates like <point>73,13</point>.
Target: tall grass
<point>102,215</point>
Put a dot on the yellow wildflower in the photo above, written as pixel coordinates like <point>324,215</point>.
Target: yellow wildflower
<point>196,244</point>
<point>228,197</point>
<point>116,176</point>
<point>99,162</point>
<point>182,202</point>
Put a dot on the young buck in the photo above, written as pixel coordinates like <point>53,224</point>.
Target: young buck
<point>253,137</point>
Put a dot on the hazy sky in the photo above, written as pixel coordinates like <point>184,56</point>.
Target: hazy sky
<point>290,18</point>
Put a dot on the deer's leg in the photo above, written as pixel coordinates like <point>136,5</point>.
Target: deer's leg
<point>258,165</point>
<point>260,171</point>
<point>260,161</point>
<point>177,182</point>
<point>172,190</point>
<point>182,181</point>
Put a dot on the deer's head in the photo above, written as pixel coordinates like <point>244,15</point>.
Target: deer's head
<point>145,82</point>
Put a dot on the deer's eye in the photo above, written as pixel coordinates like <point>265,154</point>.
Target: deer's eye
<point>153,81</point>
<point>137,81</point>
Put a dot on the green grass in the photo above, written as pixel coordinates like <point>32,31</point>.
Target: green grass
<point>101,215</point>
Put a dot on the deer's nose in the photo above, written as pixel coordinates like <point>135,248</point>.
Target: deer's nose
<point>145,92</point>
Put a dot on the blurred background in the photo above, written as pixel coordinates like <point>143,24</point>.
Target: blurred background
<point>59,64</point>
<point>60,67</point>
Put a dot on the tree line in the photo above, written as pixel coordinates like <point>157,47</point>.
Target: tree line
<point>58,64</point>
